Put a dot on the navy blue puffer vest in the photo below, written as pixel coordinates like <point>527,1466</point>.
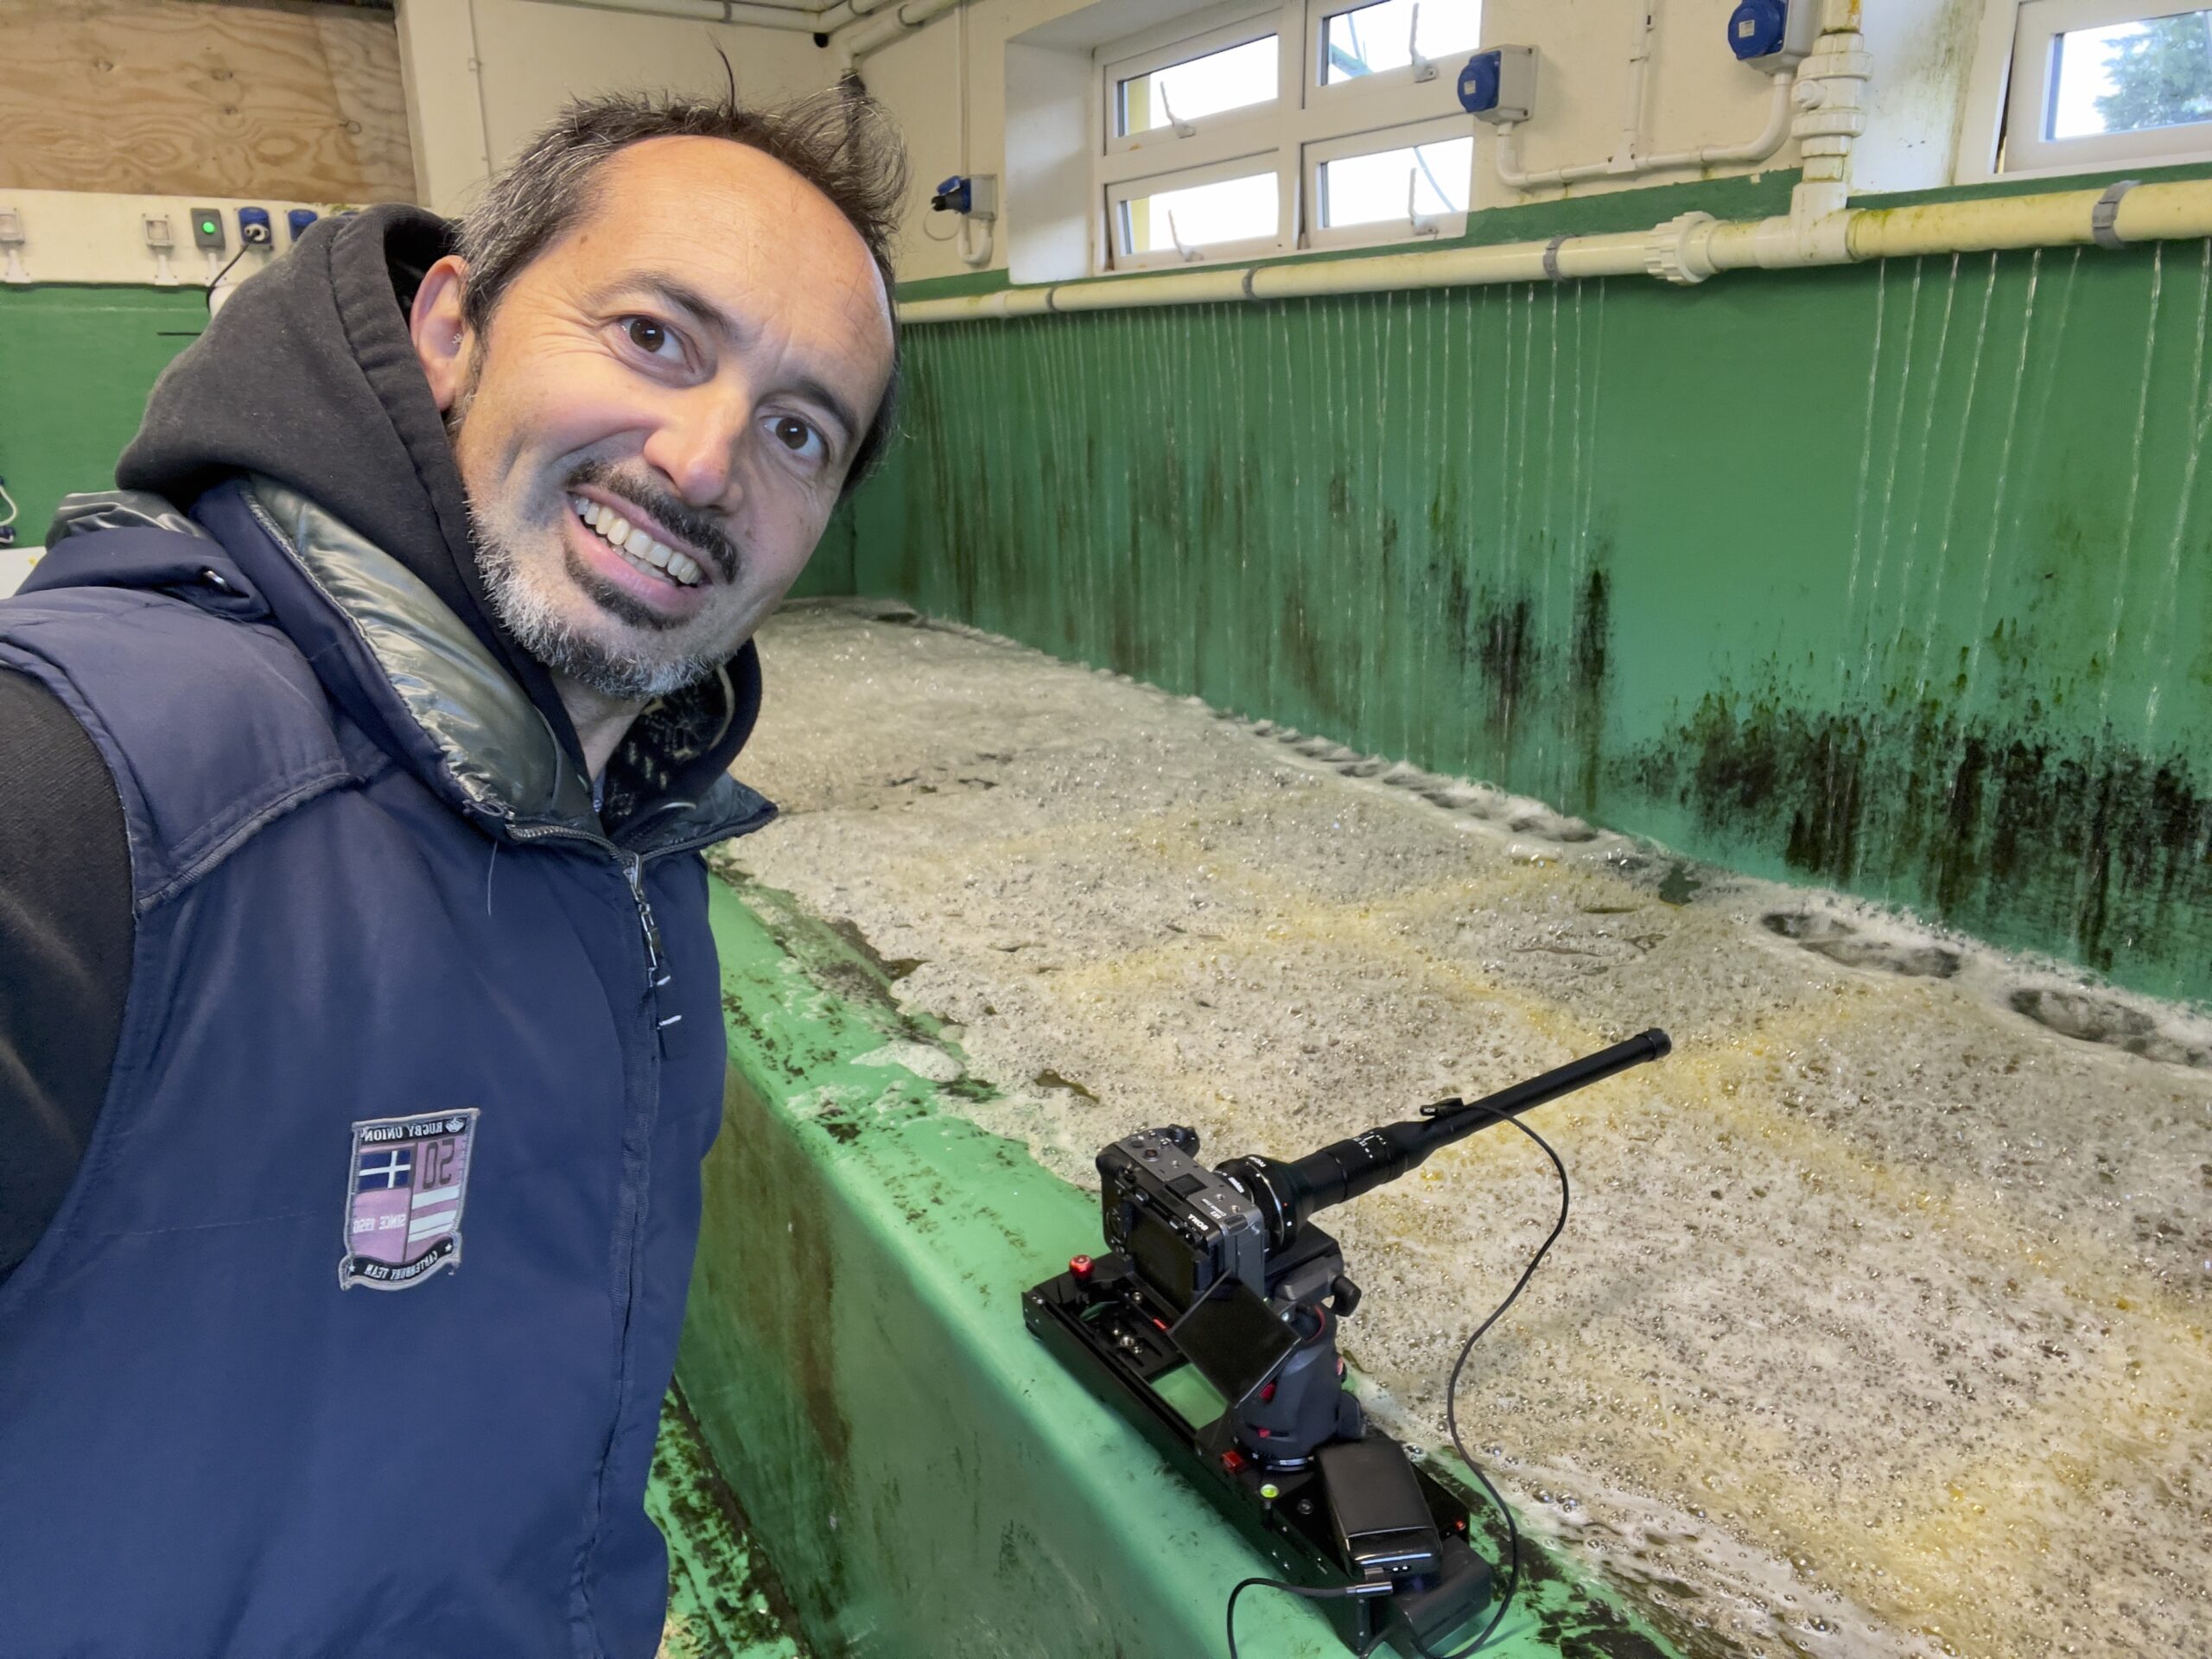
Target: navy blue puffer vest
<point>351,1337</point>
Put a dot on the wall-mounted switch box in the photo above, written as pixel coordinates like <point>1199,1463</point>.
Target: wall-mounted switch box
<point>299,219</point>
<point>1773,34</point>
<point>208,230</point>
<point>1499,86</point>
<point>975,197</point>
<point>11,243</point>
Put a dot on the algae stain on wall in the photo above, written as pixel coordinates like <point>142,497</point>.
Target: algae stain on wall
<point>1891,577</point>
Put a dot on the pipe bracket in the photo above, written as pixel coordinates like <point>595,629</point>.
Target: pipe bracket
<point>2104,217</point>
<point>1551,258</point>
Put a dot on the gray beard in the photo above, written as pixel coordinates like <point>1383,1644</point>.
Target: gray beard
<point>534,623</point>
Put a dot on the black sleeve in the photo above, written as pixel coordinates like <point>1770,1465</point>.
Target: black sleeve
<point>65,953</point>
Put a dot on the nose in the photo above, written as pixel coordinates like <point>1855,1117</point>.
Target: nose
<point>695,445</point>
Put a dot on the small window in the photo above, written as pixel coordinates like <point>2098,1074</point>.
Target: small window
<point>2130,77</point>
<point>1421,183</point>
<point>1202,217</point>
<point>1230,79</point>
<point>1371,39</point>
<point>1213,131</point>
<point>2108,82</point>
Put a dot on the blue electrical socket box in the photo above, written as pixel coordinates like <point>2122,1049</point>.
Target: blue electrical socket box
<point>253,227</point>
<point>1773,34</point>
<point>1499,85</point>
<point>299,219</point>
<point>952,196</point>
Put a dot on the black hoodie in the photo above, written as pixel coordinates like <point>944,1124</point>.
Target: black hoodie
<point>309,376</point>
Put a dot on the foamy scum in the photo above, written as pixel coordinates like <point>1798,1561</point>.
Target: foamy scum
<point>1880,1326</point>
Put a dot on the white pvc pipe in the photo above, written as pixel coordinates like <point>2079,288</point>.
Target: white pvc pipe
<point>1625,164</point>
<point>754,14</point>
<point>1688,249</point>
<point>857,41</point>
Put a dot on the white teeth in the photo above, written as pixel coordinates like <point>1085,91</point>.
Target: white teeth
<point>634,543</point>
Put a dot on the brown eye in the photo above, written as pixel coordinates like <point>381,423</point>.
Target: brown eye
<point>647,336</point>
<point>796,435</point>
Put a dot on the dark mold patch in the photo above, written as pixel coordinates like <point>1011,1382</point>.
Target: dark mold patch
<point>1678,886</point>
<point>2081,846</point>
<point>719,1553</point>
<point>1840,942</point>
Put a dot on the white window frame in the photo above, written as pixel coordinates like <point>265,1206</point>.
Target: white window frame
<point>2009,91</point>
<point>1447,226</point>
<point>1374,110</point>
<point>1320,12</point>
<point>1235,168</point>
<point>1243,32</point>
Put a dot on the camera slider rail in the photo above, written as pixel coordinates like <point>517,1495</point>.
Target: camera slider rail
<point>1359,1508</point>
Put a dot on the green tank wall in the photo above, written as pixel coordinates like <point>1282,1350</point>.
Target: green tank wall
<point>1891,577</point>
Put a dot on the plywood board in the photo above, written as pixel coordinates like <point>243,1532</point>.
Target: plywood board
<point>273,97</point>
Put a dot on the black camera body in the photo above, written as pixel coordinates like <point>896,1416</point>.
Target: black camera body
<point>1184,1227</point>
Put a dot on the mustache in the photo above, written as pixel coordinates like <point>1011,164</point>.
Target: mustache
<point>694,526</point>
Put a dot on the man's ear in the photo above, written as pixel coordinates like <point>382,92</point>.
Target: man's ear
<point>442,339</point>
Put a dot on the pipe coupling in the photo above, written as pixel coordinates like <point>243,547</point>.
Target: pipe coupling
<point>1680,251</point>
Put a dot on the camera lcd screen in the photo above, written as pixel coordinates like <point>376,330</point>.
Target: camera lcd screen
<point>1162,1257</point>
<point>1235,1340</point>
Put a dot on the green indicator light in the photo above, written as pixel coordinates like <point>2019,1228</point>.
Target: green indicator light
<point>207,226</point>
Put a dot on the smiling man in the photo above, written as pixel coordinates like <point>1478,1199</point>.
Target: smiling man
<point>360,1026</point>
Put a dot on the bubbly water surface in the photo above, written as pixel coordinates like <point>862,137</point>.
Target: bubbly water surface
<point>1879,1326</point>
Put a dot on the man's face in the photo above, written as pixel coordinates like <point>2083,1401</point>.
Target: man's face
<point>687,372</point>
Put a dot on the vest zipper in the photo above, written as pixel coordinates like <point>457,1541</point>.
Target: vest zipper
<point>635,872</point>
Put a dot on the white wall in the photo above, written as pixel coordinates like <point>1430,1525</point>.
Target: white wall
<point>1698,95</point>
<point>483,75</point>
<point>73,236</point>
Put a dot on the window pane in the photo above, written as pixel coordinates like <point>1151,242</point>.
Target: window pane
<point>1375,37</point>
<point>1220,80</point>
<point>1234,210</point>
<point>2128,77</point>
<point>1369,189</point>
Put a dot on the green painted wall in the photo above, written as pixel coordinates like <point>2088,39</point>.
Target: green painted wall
<point>1892,577</point>
<point>75,366</point>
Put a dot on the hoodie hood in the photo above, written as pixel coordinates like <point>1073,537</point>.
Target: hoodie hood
<point>308,377</point>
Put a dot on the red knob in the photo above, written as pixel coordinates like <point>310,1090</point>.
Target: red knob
<point>1080,1265</point>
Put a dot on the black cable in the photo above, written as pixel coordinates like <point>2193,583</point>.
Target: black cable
<point>217,281</point>
<point>1331,1592</point>
<point>1452,1416</point>
<point>1451,1426</point>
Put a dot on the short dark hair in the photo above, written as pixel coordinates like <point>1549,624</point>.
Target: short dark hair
<point>841,141</point>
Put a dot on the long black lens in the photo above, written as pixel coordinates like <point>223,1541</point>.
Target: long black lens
<point>1291,1192</point>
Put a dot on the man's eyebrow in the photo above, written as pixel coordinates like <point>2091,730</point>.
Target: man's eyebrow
<point>684,297</point>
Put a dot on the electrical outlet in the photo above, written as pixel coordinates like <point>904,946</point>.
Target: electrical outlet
<point>11,228</point>
<point>254,228</point>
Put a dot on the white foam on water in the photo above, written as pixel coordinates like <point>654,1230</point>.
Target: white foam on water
<point>1880,1326</point>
